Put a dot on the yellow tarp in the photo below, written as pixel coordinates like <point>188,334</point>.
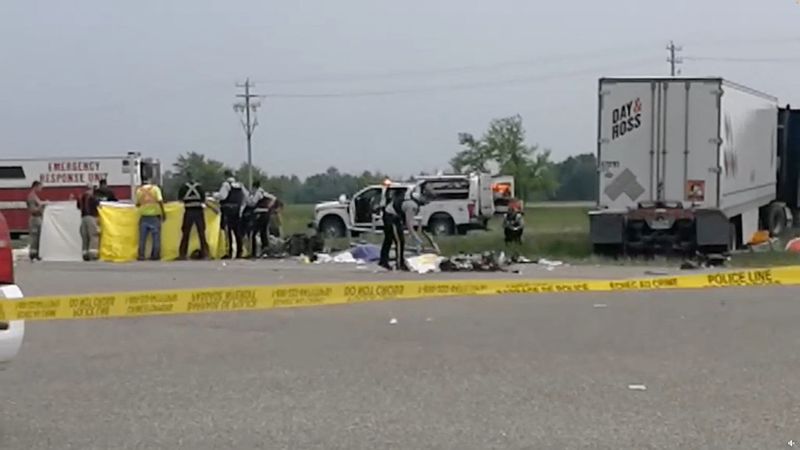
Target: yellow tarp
<point>119,239</point>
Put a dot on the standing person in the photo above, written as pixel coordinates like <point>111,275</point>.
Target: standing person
<point>514,224</point>
<point>151,213</point>
<point>232,197</point>
<point>104,193</point>
<point>276,219</point>
<point>194,198</point>
<point>399,214</point>
<point>36,210</point>
<point>261,202</point>
<point>88,205</point>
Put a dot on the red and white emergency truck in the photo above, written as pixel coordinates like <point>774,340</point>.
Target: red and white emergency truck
<point>63,177</point>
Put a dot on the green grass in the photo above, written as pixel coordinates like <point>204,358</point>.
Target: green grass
<point>550,232</point>
<point>296,218</point>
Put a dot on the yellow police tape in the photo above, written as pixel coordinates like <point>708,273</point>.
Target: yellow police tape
<point>184,301</point>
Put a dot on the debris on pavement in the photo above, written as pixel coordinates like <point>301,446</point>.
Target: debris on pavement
<point>702,261</point>
<point>426,263</point>
<point>793,246</point>
<point>760,246</point>
<point>393,321</point>
<point>657,273</point>
<point>637,387</point>
<point>549,263</point>
<point>600,305</point>
<point>366,252</point>
<point>484,262</point>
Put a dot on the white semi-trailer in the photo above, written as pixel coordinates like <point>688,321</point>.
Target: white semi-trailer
<point>684,165</point>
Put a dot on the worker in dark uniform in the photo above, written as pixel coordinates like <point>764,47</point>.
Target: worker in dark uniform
<point>232,196</point>
<point>103,193</point>
<point>514,224</point>
<point>88,205</point>
<point>276,219</point>
<point>261,202</point>
<point>399,214</point>
<point>194,198</point>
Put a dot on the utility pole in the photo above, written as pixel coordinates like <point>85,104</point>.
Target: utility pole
<point>673,60</point>
<point>247,110</point>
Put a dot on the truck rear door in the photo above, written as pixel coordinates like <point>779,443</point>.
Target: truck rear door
<point>658,140</point>
<point>687,153</point>
<point>627,124</point>
<point>486,195</point>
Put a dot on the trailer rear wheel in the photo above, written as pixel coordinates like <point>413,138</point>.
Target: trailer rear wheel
<point>608,250</point>
<point>776,219</point>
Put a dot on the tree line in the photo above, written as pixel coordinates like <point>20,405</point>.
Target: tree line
<point>501,149</point>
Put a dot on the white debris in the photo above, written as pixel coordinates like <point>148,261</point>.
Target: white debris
<point>600,305</point>
<point>323,258</point>
<point>425,263</point>
<point>344,258</point>
<point>637,387</point>
<point>548,263</point>
<point>429,319</point>
<point>393,321</point>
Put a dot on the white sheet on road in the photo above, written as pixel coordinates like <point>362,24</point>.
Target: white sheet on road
<point>61,232</point>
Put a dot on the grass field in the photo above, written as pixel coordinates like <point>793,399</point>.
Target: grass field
<point>551,231</point>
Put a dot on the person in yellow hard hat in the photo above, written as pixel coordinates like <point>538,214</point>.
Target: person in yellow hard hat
<point>151,213</point>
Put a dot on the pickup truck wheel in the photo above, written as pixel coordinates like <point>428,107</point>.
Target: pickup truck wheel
<point>332,227</point>
<point>441,225</point>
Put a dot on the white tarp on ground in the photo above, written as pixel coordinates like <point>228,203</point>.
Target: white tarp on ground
<point>61,232</point>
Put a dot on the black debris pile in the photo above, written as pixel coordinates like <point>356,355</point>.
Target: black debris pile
<point>484,262</point>
<point>701,261</point>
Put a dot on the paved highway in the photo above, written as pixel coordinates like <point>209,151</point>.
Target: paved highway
<point>549,371</point>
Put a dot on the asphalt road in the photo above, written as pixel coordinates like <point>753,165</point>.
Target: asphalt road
<point>528,372</point>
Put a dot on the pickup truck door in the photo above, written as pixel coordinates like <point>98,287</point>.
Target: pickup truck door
<point>362,209</point>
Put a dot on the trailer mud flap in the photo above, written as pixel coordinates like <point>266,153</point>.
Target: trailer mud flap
<point>712,228</point>
<point>606,228</point>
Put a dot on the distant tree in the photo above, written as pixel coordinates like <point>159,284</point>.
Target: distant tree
<point>474,158</point>
<point>208,172</point>
<point>290,188</point>
<point>504,144</point>
<point>577,178</point>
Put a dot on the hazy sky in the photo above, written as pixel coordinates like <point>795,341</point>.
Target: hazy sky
<point>100,77</point>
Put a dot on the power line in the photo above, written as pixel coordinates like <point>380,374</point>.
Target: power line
<point>548,59</point>
<point>247,109</point>
<point>741,59</point>
<point>744,41</point>
<point>462,86</point>
<point>484,67</point>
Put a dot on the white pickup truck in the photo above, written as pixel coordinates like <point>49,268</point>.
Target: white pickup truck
<point>456,204</point>
<point>11,333</point>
